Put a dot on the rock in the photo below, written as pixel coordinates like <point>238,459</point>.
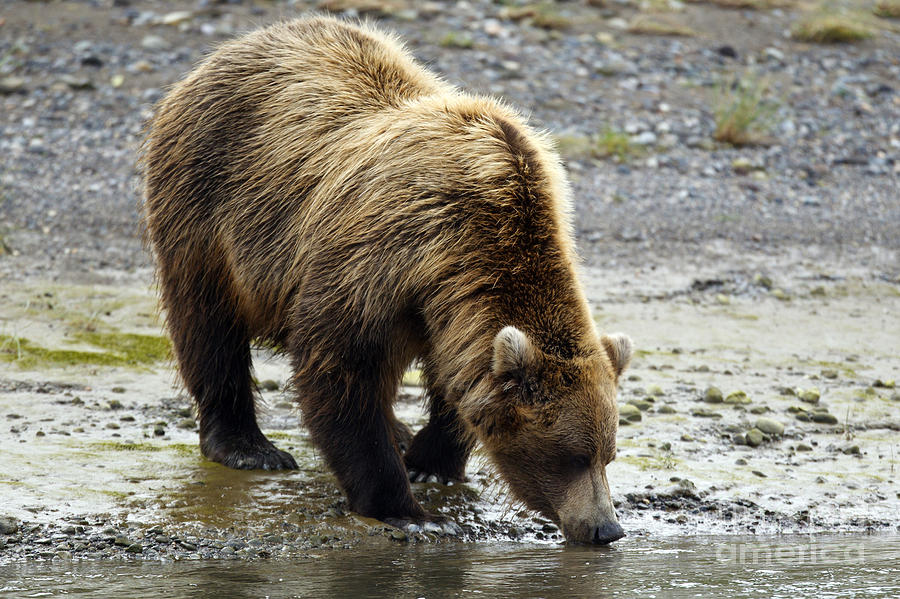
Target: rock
<point>755,437</point>
<point>159,431</point>
<point>759,474</point>
<point>135,548</point>
<point>175,18</point>
<point>655,391</point>
<point>647,138</point>
<point>781,295</point>
<point>820,480</point>
<point>823,418</point>
<point>154,43</point>
<point>687,438</point>
<point>629,413</point>
<point>803,447</point>
<point>888,384</point>
<point>740,462</point>
<point>12,85</point>
<point>398,535</point>
<point>851,450</point>
<point>115,404</point>
<point>118,390</point>
<point>641,404</point>
<point>774,54</point>
<point>737,398</point>
<point>116,81</point>
<point>122,541</point>
<point>739,439</point>
<point>666,410</point>
<point>770,426</point>
<point>8,525</point>
<point>830,374</point>
<point>187,423</point>
<point>723,299</point>
<point>704,413</point>
<point>809,395</point>
<point>713,395</point>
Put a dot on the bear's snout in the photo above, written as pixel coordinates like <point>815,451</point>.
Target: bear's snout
<point>607,533</point>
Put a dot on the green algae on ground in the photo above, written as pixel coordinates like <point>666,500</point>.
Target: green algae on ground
<point>122,349</point>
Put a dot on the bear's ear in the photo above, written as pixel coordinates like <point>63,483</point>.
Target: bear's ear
<point>514,355</point>
<point>619,348</point>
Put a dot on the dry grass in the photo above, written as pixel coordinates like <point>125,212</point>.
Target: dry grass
<point>889,9</point>
<point>659,25</point>
<point>831,28</point>
<point>744,113</point>
<point>608,144</point>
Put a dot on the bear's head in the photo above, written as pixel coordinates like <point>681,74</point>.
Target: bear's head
<point>549,424</point>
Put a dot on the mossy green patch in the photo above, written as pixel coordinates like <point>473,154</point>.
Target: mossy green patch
<point>120,349</point>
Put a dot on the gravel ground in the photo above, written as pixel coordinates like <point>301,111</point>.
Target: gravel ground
<point>679,229</point>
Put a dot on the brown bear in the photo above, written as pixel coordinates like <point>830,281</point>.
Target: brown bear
<point>312,186</point>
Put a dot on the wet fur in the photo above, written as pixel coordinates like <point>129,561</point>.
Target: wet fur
<point>310,185</point>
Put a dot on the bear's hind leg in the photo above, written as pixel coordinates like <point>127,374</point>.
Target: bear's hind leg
<point>212,346</point>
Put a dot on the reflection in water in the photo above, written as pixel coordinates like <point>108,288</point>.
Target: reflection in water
<point>787,566</point>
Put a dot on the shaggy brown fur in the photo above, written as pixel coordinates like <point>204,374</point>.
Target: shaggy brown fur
<point>311,185</point>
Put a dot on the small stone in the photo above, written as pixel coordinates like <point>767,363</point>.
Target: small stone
<point>655,391</point>
<point>687,438</point>
<point>641,404</point>
<point>115,404</point>
<point>809,395</point>
<point>187,423</point>
<point>113,426</point>
<point>713,395</point>
<point>737,398</point>
<point>8,525</point>
<point>629,413</point>
<point>268,385</point>
<point>770,426</point>
<point>851,450</point>
<point>175,18</point>
<point>666,410</point>
<point>704,413</point>
<point>398,535</point>
<point>803,447</point>
<point>117,81</point>
<point>740,462</point>
<point>118,389</point>
<point>11,85</point>
<point>135,548</point>
<point>780,295</point>
<point>723,299</point>
<point>159,431</point>
<point>888,384</point>
<point>759,474</point>
<point>740,439</point>
<point>755,437</point>
<point>77,83</point>
<point>122,541</point>
<point>154,42</point>
<point>823,418</point>
<point>830,374</point>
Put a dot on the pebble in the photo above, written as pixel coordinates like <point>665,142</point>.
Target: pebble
<point>803,447</point>
<point>655,391</point>
<point>737,398</point>
<point>704,413</point>
<point>155,43</point>
<point>755,437</point>
<point>770,426</point>
<point>187,423</point>
<point>641,404</point>
<point>823,418</point>
<point>268,385</point>
<point>8,525</point>
<point>629,413</point>
<point>666,410</point>
<point>809,396</point>
<point>11,85</point>
<point>713,395</point>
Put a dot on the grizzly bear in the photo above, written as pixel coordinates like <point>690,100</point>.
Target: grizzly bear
<point>310,185</point>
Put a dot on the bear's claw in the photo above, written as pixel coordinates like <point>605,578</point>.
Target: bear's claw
<point>440,526</point>
<point>416,476</point>
<point>244,455</point>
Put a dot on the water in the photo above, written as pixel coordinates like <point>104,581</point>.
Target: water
<point>720,566</point>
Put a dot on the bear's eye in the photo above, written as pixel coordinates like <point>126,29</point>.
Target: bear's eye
<point>580,462</point>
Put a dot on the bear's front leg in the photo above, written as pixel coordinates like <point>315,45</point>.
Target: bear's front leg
<point>350,420</point>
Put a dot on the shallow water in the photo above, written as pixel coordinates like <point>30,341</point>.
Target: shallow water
<point>721,566</point>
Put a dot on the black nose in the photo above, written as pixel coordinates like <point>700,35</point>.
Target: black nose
<point>606,534</point>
